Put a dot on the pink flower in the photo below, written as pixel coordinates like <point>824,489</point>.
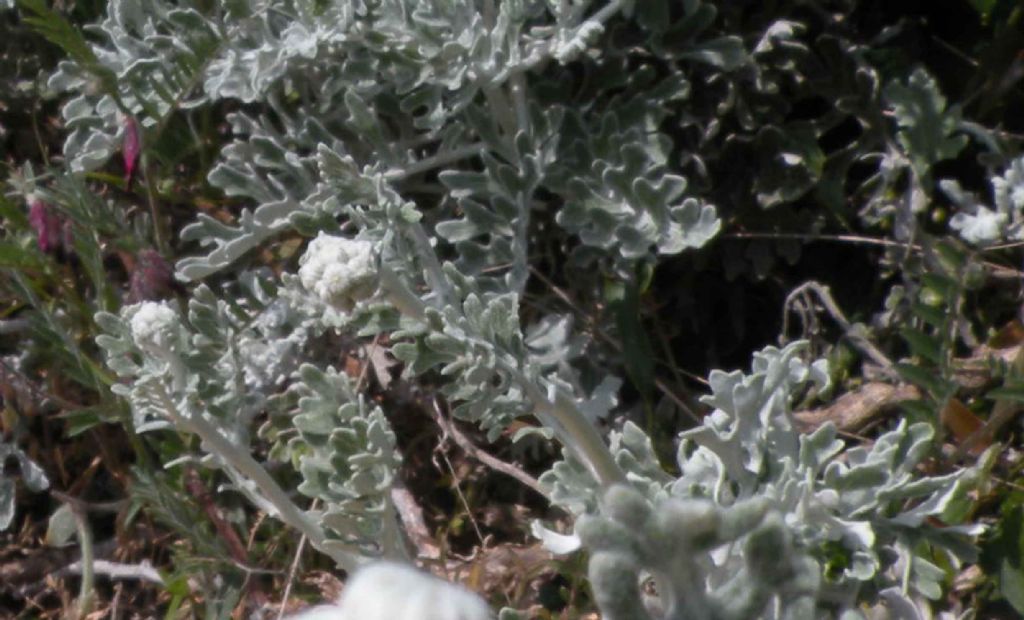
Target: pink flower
<point>47,225</point>
<point>130,149</point>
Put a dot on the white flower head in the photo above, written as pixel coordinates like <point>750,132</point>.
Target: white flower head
<point>1009,188</point>
<point>339,271</point>
<point>980,228</point>
<point>154,326</point>
<point>391,591</point>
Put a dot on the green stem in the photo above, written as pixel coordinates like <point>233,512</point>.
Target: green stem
<point>154,211</point>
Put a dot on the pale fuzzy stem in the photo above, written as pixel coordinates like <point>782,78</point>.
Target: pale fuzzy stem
<point>437,279</point>
<point>574,430</point>
<point>563,416</point>
<point>501,109</point>
<point>399,294</point>
<point>85,595</point>
<point>393,541</point>
<point>436,161</point>
<point>244,463</point>
<point>520,245</point>
<point>517,88</point>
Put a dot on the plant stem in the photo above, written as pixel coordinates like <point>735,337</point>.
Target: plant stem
<point>244,463</point>
<point>85,590</point>
<point>154,211</point>
<point>574,430</point>
<point>562,416</point>
<point>85,593</point>
<point>436,161</point>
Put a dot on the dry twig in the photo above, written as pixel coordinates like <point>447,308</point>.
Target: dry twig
<point>450,430</point>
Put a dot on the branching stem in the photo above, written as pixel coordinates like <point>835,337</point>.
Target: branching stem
<point>436,161</point>
<point>562,415</point>
<point>275,495</point>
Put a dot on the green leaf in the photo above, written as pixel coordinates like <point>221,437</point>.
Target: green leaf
<point>945,286</point>
<point>725,53</point>
<point>54,28</point>
<point>12,213</point>
<point>926,378</point>
<point>930,314</point>
<point>179,590</point>
<point>953,259</point>
<point>81,420</point>
<point>57,30</point>
<point>926,127</point>
<point>984,8</point>
<point>652,14</point>
<point>790,163</point>
<point>1011,584</point>
<point>1007,392</point>
<point>918,410</point>
<point>14,256</point>
<point>1003,553</point>
<point>923,345</point>
<point>624,302</point>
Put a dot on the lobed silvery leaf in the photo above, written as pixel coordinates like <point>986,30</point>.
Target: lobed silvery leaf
<point>345,451</point>
<point>496,203</point>
<point>859,514</point>
<point>674,542</point>
<point>33,476</point>
<point>927,126</point>
<point>627,201</point>
<point>156,50</point>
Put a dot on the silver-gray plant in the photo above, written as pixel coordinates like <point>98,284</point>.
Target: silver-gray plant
<point>420,145</point>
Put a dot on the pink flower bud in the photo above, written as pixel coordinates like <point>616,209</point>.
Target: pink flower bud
<point>152,277</point>
<point>47,225</point>
<point>130,149</point>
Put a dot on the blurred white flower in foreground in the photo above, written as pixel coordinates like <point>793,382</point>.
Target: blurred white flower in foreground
<point>390,591</point>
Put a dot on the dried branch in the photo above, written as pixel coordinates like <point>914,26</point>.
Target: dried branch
<point>450,430</point>
<point>856,410</point>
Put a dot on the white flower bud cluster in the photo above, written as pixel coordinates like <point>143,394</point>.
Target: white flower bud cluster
<point>339,271</point>
<point>153,326</point>
<point>391,591</point>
